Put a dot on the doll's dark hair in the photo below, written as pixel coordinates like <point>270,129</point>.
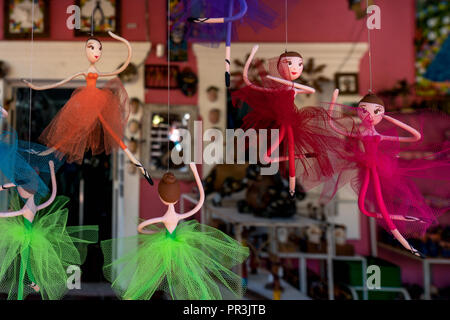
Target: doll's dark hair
<point>288,54</point>
<point>169,188</point>
<point>95,39</point>
<point>372,98</point>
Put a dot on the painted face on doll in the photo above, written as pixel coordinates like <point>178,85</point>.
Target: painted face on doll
<point>370,113</point>
<point>93,50</point>
<point>290,68</point>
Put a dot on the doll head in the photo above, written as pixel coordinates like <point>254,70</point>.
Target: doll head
<point>290,65</point>
<point>93,50</point>
<point>24,194</point>
<point>371,109</point>
<point>169,189</point>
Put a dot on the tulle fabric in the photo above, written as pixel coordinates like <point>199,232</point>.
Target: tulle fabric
<point>191,264</point>
<point>400,179</point>
<point>318,146</point>
<point>259,15</point>
<point>21,164</point>
<point>51,248</point>
<point>92,119</point>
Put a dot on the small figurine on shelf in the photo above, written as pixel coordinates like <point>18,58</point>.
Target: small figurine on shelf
<point>276,272</point>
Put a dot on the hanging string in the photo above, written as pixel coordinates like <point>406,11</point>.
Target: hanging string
<point>286,24</point>
<point>370,52</point>
<point>168,85</point>
<point>31,78</point>
<point>92,22</point>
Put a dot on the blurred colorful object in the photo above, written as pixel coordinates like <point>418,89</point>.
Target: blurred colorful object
<point>21,16</point>
<point>432,48</point>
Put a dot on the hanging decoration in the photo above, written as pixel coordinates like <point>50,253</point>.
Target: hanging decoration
<point>385,184</point>
<point>93,118</point>
<point>35,230</point>
<point>186,260</point>
<point>216,21</point>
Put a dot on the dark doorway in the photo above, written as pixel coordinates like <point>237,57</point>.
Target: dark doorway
<point>89,185</point>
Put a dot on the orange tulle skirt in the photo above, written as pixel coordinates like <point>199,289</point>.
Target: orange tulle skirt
<point>93,118</point>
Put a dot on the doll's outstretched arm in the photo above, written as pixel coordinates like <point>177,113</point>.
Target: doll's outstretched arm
<point>4,112</point>
<point>7,186</point>
<point>239,15</point>
<point>330,111</point>
<point>416,136</point>
<point>142,225</point>
<point>201,191</point>
<point>12,213</point>
<point>127,62</point>
<point>54,187</point>
<point>55,85</point>
<point>300,88</point>
<point>247,67</point>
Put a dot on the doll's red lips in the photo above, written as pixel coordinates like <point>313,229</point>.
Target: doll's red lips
<point>96,57</point>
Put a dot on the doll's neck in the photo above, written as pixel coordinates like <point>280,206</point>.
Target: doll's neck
<point>30,209</point>
<point>92,68</point>
<point>368,130</point>
<point>170,219</point>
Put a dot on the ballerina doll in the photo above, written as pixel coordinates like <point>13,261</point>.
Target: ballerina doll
<point>381,179</point>
<point>304,133</point>
<point>93,118</point>
<point>215,26</point>
<point>187,260</point>
<point>37,248</point>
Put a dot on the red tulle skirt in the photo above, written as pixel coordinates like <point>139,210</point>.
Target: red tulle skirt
<point>93,118</point>
<point>317,145</point>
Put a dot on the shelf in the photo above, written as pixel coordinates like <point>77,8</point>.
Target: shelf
<point>256,283</point>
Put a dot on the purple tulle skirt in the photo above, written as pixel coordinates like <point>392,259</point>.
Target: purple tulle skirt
<point>259,15</point>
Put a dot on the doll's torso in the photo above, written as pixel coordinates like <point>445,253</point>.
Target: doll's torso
<point>29,210</point>
<point>171,218</point>
<point>91,80</point>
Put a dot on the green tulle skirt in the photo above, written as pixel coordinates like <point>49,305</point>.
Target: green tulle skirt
<point>192,263</point>
<point>40,252</point>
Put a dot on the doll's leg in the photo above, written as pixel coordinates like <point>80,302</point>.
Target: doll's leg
<point>125,149</point>
<point>228,47</point>
<point>274,146</point>
<point>291,154</point>
<point>387,218</point>
<point>362,198</point>
<point>362,195</point>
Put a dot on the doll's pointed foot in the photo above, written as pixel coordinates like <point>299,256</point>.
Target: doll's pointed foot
<point>292,193</point>
<point>146,175</point>
<point>197,20</point>
<point>35,287</point>
<point>291,186</point>
<point>227,79</point>
<point>416,252</point>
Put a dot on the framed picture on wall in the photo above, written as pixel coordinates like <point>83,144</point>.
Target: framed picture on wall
<point>99,16</point>
<point>161,133</point>
<point>156,76</point>
<point>347,83</point>
<point>19,21</point>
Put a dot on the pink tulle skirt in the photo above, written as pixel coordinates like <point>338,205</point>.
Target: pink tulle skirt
<point>407,206</point>
<point>93,118</point>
